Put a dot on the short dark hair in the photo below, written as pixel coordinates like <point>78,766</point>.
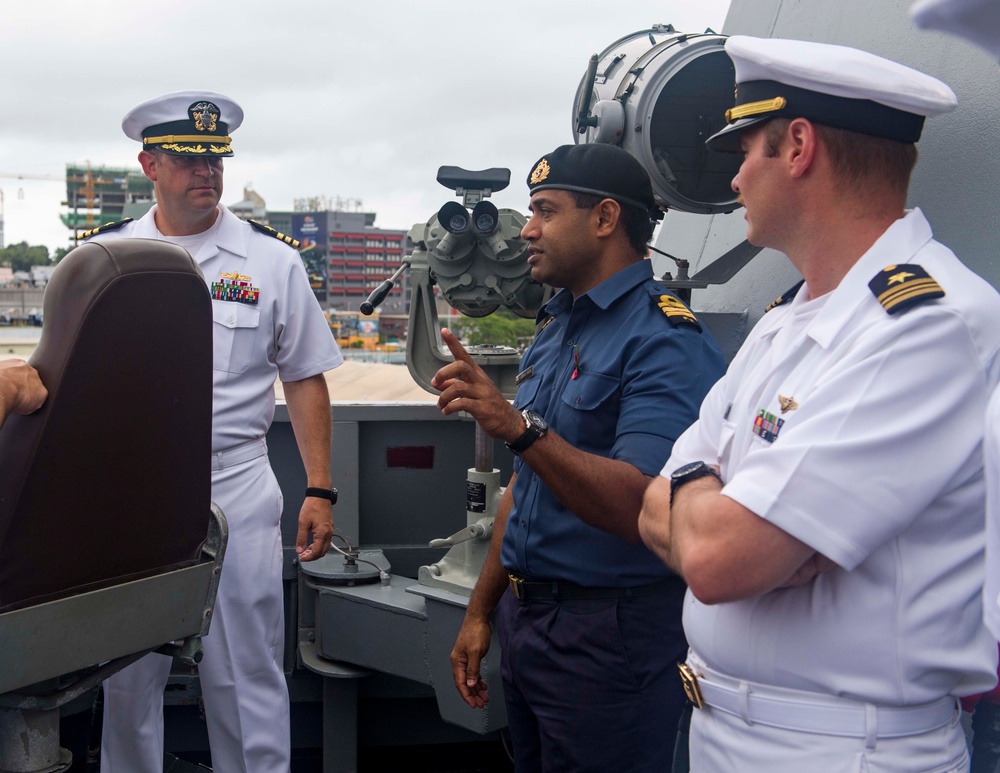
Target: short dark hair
<point>637,223</point>
<point>858,159</point>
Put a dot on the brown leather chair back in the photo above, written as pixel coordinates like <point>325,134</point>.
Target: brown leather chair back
<point>111,479</point>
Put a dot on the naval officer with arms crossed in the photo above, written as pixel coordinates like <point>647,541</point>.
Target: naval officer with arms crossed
<point>835,560</point>
<point>267,325</point>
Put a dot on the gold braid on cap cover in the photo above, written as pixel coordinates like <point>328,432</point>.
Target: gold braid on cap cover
<point>755,108</point>
<point>185,138</point>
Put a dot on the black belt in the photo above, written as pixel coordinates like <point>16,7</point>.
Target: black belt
<point>529,590</point>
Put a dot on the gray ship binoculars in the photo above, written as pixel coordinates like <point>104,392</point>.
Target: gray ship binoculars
<point>471,250</point>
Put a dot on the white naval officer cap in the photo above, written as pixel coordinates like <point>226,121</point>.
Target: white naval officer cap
<point>836,86</point>
<point>185,123</point>
<point>974,20</point>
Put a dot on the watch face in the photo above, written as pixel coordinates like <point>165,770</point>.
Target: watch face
<point>685,470</point>
<point>536,420</point>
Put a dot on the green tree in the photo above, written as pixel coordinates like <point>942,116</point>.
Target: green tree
<point>21,256</point>
<point>501,328</point>
<point>60,253</point>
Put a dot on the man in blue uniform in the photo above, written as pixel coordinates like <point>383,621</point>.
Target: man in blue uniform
<point>588,619</point>
<point>266,325</point>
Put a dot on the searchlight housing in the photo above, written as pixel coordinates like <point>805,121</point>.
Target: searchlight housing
<point>659,94</point>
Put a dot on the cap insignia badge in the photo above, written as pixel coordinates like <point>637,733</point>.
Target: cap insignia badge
<point>205,116</point>
<point>540,173</point>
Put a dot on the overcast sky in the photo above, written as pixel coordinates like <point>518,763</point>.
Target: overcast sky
<point>360,100</point>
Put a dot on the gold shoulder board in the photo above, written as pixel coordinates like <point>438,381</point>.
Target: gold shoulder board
<point>785,297</point>
<point>900,287</point>
<point>266,229</point>
<point>103,229</point>
<point>675,310</point>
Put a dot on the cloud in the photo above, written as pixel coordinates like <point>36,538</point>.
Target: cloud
<point>361,100</point>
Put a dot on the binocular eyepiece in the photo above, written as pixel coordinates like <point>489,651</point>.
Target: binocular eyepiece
<point>485,218</point>
<point>455,219</point>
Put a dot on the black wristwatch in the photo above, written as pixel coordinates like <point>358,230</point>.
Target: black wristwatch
<point>689,472</point>
<point>535,427</point>
<point>323,493</point>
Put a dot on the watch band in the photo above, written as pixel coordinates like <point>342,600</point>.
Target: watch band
<point>688,473</point>
<point>524,442</point>
<point>535,427</point>
<point>323,493</point>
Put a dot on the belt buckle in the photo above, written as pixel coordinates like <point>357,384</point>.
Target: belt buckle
<point>515,586</point>
<point>690,681</point>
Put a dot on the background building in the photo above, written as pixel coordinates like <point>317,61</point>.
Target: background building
<point>345,255</point>
<point>98,195</point>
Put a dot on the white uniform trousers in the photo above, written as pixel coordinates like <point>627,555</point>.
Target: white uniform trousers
<point>722,741</point>
<point>242,680</point>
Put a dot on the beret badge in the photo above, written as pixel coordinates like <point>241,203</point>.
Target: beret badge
<point>540,172</point>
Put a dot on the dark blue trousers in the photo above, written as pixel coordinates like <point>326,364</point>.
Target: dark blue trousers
<point>593,685</point>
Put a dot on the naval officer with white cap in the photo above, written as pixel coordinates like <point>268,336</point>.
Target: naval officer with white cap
<point>267,325</point>
<point>825,509</point>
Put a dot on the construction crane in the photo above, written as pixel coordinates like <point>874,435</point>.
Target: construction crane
<point>23,176</point>
<point>20,192</point>
<point>20,176</point>
<point>101,192</point>
<point>89,190</point>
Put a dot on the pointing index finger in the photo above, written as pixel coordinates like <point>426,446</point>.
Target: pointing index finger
<point>456,348</point>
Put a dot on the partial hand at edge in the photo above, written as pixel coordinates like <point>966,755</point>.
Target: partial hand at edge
<point>471,646</point>
<point>21,388</point>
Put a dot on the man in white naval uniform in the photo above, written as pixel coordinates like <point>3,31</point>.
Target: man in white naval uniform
<point>826,507</point>
<point>267,325</point>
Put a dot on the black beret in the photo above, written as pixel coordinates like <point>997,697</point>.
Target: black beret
<point>598,169</point>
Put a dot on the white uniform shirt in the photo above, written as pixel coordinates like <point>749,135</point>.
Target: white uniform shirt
<point>991,462</point>
<point>283,335</point>
<point>877,464</point>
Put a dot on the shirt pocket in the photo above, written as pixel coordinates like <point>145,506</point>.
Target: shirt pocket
<point>527,392</point>
<point>590,408</point>
<point>234,334</point>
